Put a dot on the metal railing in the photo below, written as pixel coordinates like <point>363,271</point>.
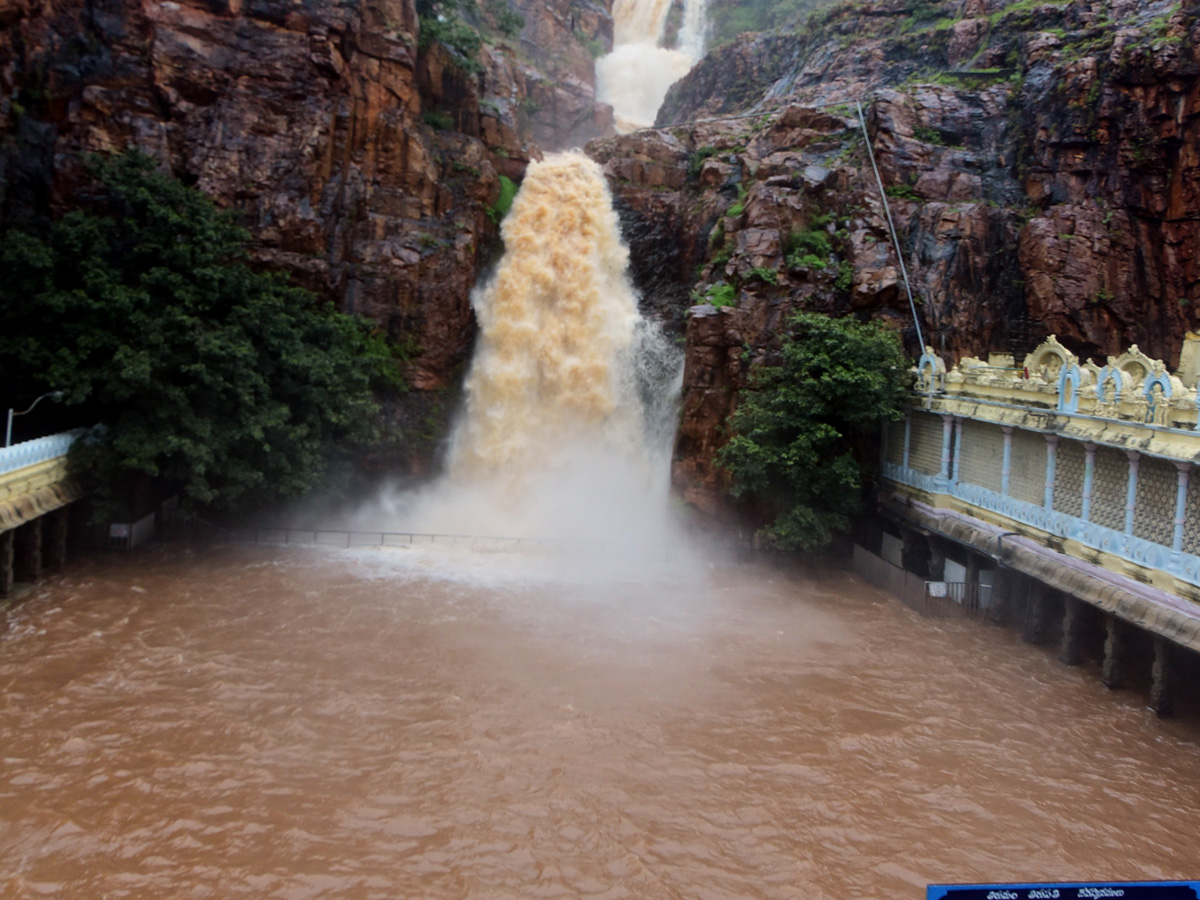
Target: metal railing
<point>30,453</point>
<point>330,537</point>
<point>935,599</point>
<point>955,599</point>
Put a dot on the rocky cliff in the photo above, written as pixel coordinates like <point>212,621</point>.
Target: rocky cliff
<point>1039,160</point>
<point>364,152</point>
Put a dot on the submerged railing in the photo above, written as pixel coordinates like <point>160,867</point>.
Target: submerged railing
<point>332,537</point>
<point>935,599</point>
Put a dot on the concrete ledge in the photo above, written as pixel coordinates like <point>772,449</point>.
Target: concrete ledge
<point>1140,604</point>
<point>27,507</point>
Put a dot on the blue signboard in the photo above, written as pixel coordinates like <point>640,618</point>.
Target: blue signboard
<point>1092,890</point>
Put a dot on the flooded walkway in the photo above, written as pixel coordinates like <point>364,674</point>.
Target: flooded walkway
<point>282,723</point>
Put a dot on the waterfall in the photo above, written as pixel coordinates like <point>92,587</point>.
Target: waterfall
<point>635,77</point>
<point>571,399</point>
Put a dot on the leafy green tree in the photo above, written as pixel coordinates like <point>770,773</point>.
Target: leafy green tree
<point>805,429</point>
<point>141,307</point>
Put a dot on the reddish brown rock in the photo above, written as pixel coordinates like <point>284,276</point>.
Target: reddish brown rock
<point>1056,193</point>
<point>363,165</point>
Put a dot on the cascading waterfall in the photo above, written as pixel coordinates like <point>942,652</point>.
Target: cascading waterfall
<point>559,327</point>
<point>635,77</point>
<point>571,397</point>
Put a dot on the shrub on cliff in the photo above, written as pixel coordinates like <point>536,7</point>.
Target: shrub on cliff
<point>224,381</point>
<point>805,430</point>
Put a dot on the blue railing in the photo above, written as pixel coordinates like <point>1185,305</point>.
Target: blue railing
<point>29,453</point>
<point>1182,565</point>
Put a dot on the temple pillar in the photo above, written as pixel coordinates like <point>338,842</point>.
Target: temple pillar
<point>1135,459</point>
<point>1089,476</point>
<point>56,539</point>
<point>6,562</point>
<point>28,551</point>
<point>937,560</point>
<point>1181,491</point>
<point>958,439</point>
<point>1051,466</point>
<point>971,600</point>
<point>1006,468</point>
<point>947,436</point>
<point>914,556</point>
<point>1074,626</point>
<point>1037,613</point>
<point>1162,685</point>
<point>1112,672</point>
<point>907,438</point>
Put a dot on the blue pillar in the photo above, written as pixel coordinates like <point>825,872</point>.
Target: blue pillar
<point>907,437</point>
<point>958,439</point>
<point>1051,466</point>
<point>1006,468</point>
<point>1185,474</point>
<point>947,431</point>
<point>1089,475</point>
<point>1131,489</point>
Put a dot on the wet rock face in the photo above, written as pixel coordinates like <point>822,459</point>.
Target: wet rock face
<point>364,163</point>
<point>1048,185</point>
<point>774,216</point>
<point>1053,117</point>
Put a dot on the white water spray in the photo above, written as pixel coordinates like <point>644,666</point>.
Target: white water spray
<point>635,77</point>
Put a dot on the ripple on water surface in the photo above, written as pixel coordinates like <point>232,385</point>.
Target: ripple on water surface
<point>446,723</point>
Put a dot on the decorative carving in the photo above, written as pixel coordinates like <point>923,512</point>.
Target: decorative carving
<point>1069,378</point>
<point>1134,363</point>
<point>931,372</point>
<point>1048,359</point>
<point>1131,386</point>
<point>1110,385</point>
<point>1157,390</point>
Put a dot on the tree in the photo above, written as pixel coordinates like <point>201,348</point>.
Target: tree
<point>141,307</point>
<point>804,429</point>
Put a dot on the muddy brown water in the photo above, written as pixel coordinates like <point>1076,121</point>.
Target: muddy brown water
<point>410,724</point>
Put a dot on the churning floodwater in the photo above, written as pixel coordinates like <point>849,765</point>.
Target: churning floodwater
<point>450,724</point>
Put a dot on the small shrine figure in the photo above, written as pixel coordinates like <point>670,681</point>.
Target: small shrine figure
<point>1106,393</point>
<point>1160,405</point>
<point>1141,408</point>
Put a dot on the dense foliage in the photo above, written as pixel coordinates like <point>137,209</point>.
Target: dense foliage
<point>442,22</point>
<point>804,429</point>
<point>226,382</point>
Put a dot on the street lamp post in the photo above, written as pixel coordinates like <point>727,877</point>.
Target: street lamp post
<point>8,430</point>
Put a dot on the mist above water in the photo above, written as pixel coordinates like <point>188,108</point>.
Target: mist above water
<point>636,76</point>
<point>571,399</point>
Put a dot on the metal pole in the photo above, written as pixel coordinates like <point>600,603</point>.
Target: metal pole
<point>891,225</point>
<point>11,414</point>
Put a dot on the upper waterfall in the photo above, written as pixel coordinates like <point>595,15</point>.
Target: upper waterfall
<point>635,77</point>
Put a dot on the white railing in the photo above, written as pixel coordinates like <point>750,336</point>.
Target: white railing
<point>29,453</point>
